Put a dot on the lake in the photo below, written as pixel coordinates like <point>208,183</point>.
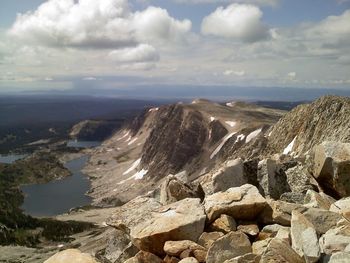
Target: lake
<point>83,144</point>
<point>57,197</point>
<point>10,158</point>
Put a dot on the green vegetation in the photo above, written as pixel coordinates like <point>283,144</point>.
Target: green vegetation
<point>18,228</point>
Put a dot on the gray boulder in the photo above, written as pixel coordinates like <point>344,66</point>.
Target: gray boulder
<point>279,251</point>
<point>243,203</point>
<point>271,179</point>
<point>232,245</point>
<point>332,167</point>
<point>174,189</point>
<point>230,175</point>
<point>304,238</point>
<point>183,220</point>
<point>336,239</point>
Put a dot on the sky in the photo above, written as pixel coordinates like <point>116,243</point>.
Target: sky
<point>120,45</point>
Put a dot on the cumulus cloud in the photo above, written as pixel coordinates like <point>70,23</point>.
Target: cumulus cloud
<point>292,75</point>
<point>155,24</point>
<point>96,24</point>
<point>257,2</point>
<point>141,53</point>
<point>229,72</point>
<point>236,22</point>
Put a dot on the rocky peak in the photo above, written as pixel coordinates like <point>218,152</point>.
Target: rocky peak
<point>177,137</point>
<point>326,119</point>
<point>95,130</point>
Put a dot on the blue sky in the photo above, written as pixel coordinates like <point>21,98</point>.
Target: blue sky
<point>118,44</point>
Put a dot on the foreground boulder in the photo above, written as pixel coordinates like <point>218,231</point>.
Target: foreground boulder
<point>278,251</point>
<point>322,220</point>
<point>207,239</point>
<point>173,189</point>
<point>232,245</point>
<point>278,212</point>
<point>243,203</point>
<point>336,239</point>
<point>183,220</point>
<point>71,255</point>
<point>118,247</point>
<point>144,257</point>
<point>224,224</point>
<point>318,200</point>
<point>272,180</point>
<point>231,175</point>
<point>133,213</point>
<point>342,207</point>
<point>304,238</point>
<point>340,257</point>
<point>175,248</point>
<point>247,258</point>
<point>332,167</point>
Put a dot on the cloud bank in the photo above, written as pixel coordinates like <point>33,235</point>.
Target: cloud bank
<point>96,24</point>
<point>236,22</point>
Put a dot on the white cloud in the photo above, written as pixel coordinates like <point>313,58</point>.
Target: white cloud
<point>141,53</point>
<point>257,2</point>
<point>155,24</point>
<point>239,73</point>
<point>292,75</point>
<point>96,24</point>
<point>236,22</point>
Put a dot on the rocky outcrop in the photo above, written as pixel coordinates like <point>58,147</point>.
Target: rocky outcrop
<point>217,132</point>
<point>243,203</point>
<point>94,130</point>
<point>332,167</point>
<point>71,255</point>
<point>309,125</point>
<point>176,138</point>
<point>172,222</point>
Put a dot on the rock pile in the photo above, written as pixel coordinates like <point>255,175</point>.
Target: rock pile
<point>231,226</point>
<point>291,207</point>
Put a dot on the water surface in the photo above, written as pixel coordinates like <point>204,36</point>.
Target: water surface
<point>11,158</point>
<point>83,144</point>
<point>57,197</point>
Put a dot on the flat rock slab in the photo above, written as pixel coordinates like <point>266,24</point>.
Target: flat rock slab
<point>175,248</point>
<point>304,237</point>
<point>278,251</point>
<point>71,255</point>
<point>232,245</point>
<point>183,220</point>
<point>243,203</point>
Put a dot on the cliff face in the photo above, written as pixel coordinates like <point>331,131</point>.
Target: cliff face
<point>94,130</point>
<point>326,119</point>
<point>190,138</point>
<point>178,136</point>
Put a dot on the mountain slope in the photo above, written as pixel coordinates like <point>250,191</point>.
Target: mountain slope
<point>326,119</point>
<point>190,138</point>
